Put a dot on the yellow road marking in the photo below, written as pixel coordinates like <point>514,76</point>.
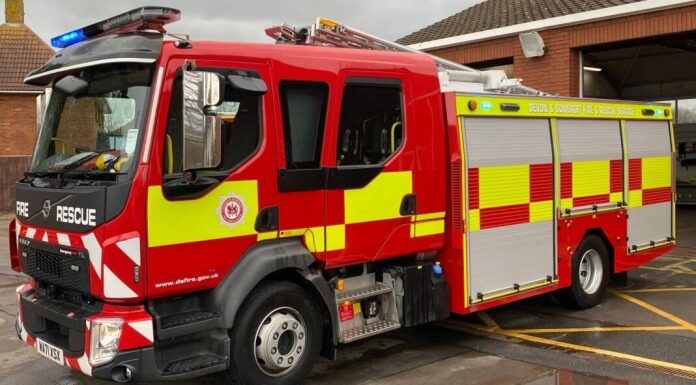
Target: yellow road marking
<point>661,290</point>
<point>566,345</point>
<point>598,329</point>
<point>657,311</point>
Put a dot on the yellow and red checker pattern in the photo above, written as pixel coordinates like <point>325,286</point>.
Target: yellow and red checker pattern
<point>587,183</point>
<point>508,195</point>
<point>649,181</point>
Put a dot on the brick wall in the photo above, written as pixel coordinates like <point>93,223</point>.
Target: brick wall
<point>12,169</point>
<point>17,124</point>
<point>557,72</point>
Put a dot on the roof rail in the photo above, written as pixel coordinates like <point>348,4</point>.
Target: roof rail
<point>329,33</point>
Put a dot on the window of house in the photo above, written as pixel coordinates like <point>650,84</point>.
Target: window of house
<point>304,114</point>
<point>371,126</point>
<point>240,129</point>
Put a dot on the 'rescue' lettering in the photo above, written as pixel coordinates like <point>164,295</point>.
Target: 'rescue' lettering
<point>76,215</point>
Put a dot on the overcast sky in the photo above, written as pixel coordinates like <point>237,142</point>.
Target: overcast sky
<point>246,20</point>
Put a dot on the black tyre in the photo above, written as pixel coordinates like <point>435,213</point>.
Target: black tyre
<point>277,336</point>
<point>589,274</point>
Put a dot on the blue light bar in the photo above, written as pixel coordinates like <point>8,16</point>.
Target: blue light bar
<point>143,18</point>
<point>67,39</point>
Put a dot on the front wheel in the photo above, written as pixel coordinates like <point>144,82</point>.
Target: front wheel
<point>589,274</point>
<point>277,336</point>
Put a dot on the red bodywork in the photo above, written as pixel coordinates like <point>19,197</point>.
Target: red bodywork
<point>431,152</point>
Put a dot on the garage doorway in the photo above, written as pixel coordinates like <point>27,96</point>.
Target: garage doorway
<point>659,70</point>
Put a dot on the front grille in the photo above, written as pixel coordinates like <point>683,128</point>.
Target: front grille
<point>65,271</point>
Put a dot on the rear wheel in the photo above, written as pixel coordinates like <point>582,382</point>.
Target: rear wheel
<point>277,336</point>
<point>589,274</point>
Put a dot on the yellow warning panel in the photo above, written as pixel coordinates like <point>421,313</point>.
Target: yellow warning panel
<point>379,200</point>
<point>503,186</point>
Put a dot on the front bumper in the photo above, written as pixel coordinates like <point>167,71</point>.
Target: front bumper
<point>68,327</point>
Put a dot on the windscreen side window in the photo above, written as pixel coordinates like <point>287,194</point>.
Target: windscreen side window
<point>240,133</point>
<point>304,114</point>
<point>371,125</point>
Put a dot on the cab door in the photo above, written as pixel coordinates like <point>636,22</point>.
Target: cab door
<point>370,196</point>
<point>199,226</point>
<point>304,110</point>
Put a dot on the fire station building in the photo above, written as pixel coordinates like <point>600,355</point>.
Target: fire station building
<point>617,49</point>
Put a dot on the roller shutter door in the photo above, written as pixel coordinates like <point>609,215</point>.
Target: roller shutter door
<point>591,158</point>
<point>650,179</point>
<point>510,208</point>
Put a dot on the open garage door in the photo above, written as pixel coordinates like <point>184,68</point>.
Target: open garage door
<point>652,70</point>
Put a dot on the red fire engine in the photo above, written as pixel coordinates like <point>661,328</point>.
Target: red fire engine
<point>195,207</point>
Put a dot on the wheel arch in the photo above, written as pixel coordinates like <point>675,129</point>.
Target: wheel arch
<point>279,260</point>
<point>610,246</point>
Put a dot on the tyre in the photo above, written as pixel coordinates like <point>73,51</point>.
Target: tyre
<point>589,274</point>
<point>277,336</point>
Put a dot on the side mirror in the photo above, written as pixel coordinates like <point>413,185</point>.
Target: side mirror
<point>71,85</point>
<point>248,84</point>
<point>203,92</point>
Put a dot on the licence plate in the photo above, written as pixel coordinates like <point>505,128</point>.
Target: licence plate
<point>49,351</point>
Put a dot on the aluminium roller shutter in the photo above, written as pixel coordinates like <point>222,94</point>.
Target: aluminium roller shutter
<point>510,209</point>
<point>650,180</point>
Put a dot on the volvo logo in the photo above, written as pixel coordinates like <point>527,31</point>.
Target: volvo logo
<point>46,210</point>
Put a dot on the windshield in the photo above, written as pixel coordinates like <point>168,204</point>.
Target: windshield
<point>97,131</point>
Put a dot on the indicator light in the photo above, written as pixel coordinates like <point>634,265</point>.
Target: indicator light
<point>340,285</point>
<point>473,105</point>
<point>667,112</point>
<point>486,106</point>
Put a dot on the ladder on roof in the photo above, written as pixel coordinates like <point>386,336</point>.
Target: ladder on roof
<point>453,76</point>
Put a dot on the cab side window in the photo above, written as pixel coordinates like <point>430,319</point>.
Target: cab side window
<point>371,124</point>
<point>304,113</point>
<point>240,130</point>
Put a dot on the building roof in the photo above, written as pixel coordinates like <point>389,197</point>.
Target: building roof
<point>21,51</point>
<point>492,14</point>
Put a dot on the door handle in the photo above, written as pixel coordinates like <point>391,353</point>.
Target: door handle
<point>408,205</point>
<point>267,219</point>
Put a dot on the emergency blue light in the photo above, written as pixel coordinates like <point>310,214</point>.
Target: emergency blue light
<point>67,39</point>
<point>143,18</point>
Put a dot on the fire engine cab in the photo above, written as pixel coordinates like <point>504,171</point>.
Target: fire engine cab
<point>196,207</point>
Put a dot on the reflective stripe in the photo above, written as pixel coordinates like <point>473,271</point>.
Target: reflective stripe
<point>195,220</point>
<point>474,220</point>
<point>267,236</point>
<point>379,200</point>
<point>655,172</point>
<point>635,198</point>
<point>590,178</point>
<point>321,238</point>
<point>503,186</point>
<point>541,211</point>
<point>335,237</point>
<point>422,229</point>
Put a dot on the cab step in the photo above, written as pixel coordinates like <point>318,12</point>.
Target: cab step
<point>371,291</point>
<point>193,355</point>
<point>369,330</point>
<point>365,307</point>
<point>193,364</point>
<point>177,325</point>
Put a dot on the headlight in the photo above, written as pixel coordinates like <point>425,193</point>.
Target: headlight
<point>104,340</point>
